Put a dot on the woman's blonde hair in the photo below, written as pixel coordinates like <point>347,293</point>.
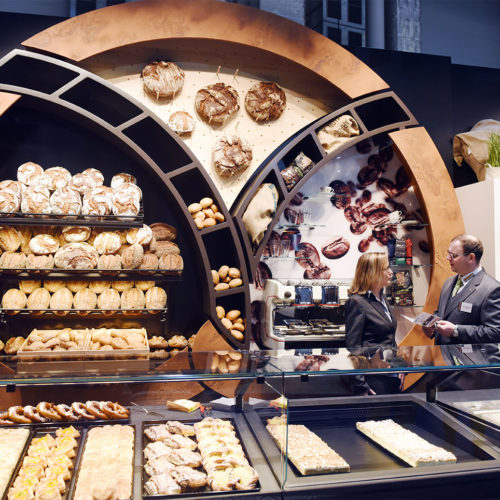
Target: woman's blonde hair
<point>369,269</point>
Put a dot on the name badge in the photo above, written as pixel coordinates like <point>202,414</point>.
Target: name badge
<point>465,307</point>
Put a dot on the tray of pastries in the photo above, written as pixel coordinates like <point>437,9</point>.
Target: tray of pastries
<point>106,464</point>
<point>12,443</point>
<point>47,466</point>
<point>117,343</point>
<point>180,458</point>
<point>47,413</point>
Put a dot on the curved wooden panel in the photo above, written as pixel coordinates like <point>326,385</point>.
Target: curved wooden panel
<point>7,100</point>
<point>102,30</point>
<point>436,195</point>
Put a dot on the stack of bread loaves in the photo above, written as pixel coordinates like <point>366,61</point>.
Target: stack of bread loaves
<point>55,191</point>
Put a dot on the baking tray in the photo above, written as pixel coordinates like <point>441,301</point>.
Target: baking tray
<point>334,422</point>
<point>19,459</point>
<point>39,432</point>
<point>206,491</point>
<point>82,451</point>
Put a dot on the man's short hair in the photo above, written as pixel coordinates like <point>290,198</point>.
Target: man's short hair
<point>470,244</point>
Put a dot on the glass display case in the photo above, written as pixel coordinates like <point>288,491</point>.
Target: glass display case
<point>291,414</point>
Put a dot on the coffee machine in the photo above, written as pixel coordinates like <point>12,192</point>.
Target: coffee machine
<point>303,313</point>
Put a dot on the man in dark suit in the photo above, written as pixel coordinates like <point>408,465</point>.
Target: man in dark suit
<point>469,304</point>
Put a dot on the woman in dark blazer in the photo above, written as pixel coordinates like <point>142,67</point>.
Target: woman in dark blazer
<point>369,322</point>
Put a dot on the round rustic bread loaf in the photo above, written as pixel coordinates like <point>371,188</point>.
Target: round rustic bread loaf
<point>10,238</point>
<point>29,173</point>
<point>55,178</point>
<point>217,102</point>
<point>76,256</point>
<point>132,299</point>
<point>36,200</point>
<point>162,79</point>
<point>65,201</point>
<point>265,101</point>
<point>232,155</point>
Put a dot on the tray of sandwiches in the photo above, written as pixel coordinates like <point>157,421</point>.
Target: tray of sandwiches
<point>181,458</point>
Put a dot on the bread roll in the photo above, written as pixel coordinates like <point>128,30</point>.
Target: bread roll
<point>216,103</point>
<point>95,174</point>
<point>44,244</point>
<point>76,256</point>
<point>121,286</point>
<point>141,235</point>
<point>76,234</point>
<point>132,257</point>
<point>82,183</point>
<point>144,285</point>
<point>29,286</point>
<point>181,122</point>
<point>38,299</point>
<point>119,179</point>
<point>109,263</point>
<point>166,247</point>
<point>10,186</point>
<point>10,239</point>
<point>13,260</point>
<point>85,299</point>
<point>171,262</point>
<point>99,286</point>
<point>54,285</point>
<point>9,202</point>
<point>265,101</point>
<point>132,299</point>
<point>163,231</point>
<point>62,299</point>
<point>162,79</point>
<point>39,262</point>
<point>29,173</point>
<point>108,299</point>
<point>55,178</point>
<point>76,285</point>
<point>125,202</point>
<point>231,155</point>
<point>66,201</point>
<point>14,299</point>
<point>13,345</point>
<point>156,298</point>
<point>107,243</point>
<point>36,200</point>
<point>98,201</point>
<point>149,262</point>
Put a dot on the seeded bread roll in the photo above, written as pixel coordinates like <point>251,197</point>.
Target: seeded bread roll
<point>44,244</point>
<point>132,299</point>
<point>14,299</point>
<point>132,257</point>
<point>29,173</point>
<point>66,201</point>
<point>9,202</point>
<point>10,239</point>
<point>216,103</point>
<point>162,79</point>
<point>55,178</point>
<point>76,256</point>
<point>76,234</point>
<point>13,260</point>
<point>108,299</point>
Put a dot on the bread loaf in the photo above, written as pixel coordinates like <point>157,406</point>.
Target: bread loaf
<point>14,299</point>
<point>76,256</point>
<point>109,298</point>
<point>10,239</point>
<point>109,263</point>
<point>28,286</point>
<point>82,183</point>
<point>98,201</point>
<point>55,178</point>
<point>156,298</point>
<point>132,299</point>
<point>43,244</point>
<point>132,257</point>
<point>66,201</point>
<point>62,299</point>
<point>76,234</point>
<point>38,299</point>
<point>36,200</point>
<point>85,299</point>
<point>95,174</point>
<point>163,231</point>
<point>13,260</point>
<point>149,262</point>
<point>162,79</point>
<point>166,247</point>
<point>107,243</point>
<point>141,235</point>
<point>39,262</point>
<point>171,262</point>
<point>29,173</point>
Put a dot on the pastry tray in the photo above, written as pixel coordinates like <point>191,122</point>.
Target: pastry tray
<point>39,432</point>
<point>206,491</point>
<point>334,421</point>
<point>82,451</point>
